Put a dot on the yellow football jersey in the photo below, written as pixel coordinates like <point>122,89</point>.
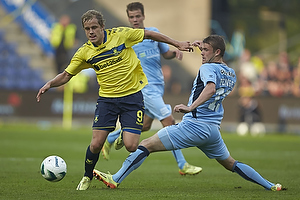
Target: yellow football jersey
<point>119,72</point>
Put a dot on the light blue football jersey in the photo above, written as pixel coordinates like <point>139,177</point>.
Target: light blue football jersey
<point>212,110</point>
<point>148,52</point>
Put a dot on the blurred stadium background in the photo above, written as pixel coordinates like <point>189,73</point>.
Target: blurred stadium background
<point>263,45</point>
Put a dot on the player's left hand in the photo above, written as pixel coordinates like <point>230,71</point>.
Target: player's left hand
<point>182,108</point>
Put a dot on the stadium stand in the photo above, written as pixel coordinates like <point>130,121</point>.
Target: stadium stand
<point>23,67</point>
<point>15,71</point>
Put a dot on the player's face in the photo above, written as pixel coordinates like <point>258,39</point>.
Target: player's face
<point>207,53</point>
<point>136,19</point>
<point>93,31</point>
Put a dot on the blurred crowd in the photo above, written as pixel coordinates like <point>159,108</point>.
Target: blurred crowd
<point>258,77</point>
<point>277,78</point>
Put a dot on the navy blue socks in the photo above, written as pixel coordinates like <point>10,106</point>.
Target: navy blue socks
<point>90,161</point>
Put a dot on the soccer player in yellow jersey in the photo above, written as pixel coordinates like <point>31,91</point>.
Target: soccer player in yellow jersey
<point>121,78</point>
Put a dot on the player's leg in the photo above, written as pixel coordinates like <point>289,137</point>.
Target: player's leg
<point>92,153</point>
<point>131,120</point>
<point>163,140</point>
<point>132,162</point>
<point>113,136</point>
<point>248,173</point>
<point>183,165</point>
<point>176,153</point>
<point>91,157</point>
<point>217,149</point>
<point>105,119</point>
<point>117,136</point>
<point>168,138</point>
<point>156,108</point>
<point>119,142</point>
<point>147,122</point>
<point>131,140</point>
<point>108,143</point>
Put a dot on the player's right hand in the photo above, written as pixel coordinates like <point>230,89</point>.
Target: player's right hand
<point>44,89</point>
<point>185,46</point>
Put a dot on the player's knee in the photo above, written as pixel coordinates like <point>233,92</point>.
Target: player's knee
<point>145,142</point>
<point>146,128</point>
<point>149,144</point>
<point>95,147</point>
<point>227,163</point>
<point>228,167</point>
<point>168,121</point>
<point>131,147</point>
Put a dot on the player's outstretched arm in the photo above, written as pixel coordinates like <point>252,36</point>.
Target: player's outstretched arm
<point>159,37</point>
<point>207,93</point>
<point>59,80</point>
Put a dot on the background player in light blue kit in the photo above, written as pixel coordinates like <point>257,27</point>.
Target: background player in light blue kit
<point>148,52</point>
<point>201,123</point>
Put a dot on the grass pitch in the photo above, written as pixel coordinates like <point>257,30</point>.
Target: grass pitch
<point>23,148</point>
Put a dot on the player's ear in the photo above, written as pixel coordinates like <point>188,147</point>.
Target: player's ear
<point>217,52</point>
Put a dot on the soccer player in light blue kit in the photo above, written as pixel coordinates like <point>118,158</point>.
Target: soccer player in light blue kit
<point>201,123</point>
<point>148,52</point>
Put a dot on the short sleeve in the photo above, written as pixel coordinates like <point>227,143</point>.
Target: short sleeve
<point>208,74</point>
<point>134,36</point>
<point>77,63</point>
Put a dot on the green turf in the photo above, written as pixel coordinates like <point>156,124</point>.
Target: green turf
<point>22,149</point>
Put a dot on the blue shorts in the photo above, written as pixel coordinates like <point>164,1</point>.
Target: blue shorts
<point>192,133</point>
<point>129,109</point>
<point>155,106</point>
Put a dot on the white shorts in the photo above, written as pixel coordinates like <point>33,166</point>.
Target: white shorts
<point>155,106</point>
